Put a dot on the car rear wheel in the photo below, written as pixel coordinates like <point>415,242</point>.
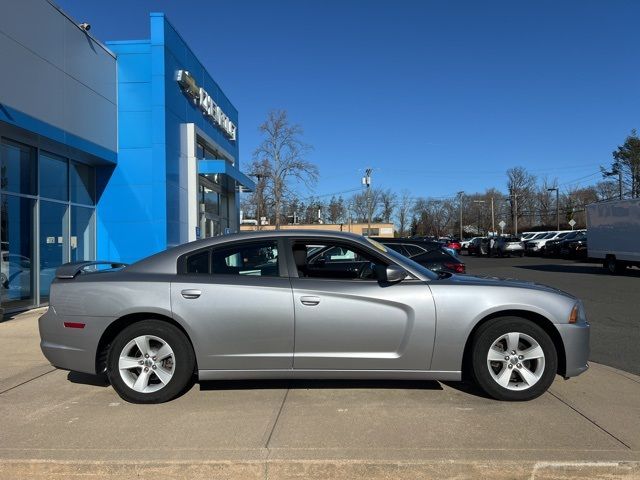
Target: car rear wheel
<point>513,359</point>
<point>613,266</point>
<point>150,362</point>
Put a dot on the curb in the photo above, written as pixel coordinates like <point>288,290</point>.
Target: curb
<point>319,469</point>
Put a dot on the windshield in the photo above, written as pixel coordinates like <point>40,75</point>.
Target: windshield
<point>571,235</point>
<point>402,260</point>
<point>539,235</point>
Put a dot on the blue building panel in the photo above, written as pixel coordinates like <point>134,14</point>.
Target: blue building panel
<point>152,110</point>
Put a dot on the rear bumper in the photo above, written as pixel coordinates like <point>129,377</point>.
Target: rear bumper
<point>576,346</point>
<point>71,348</point>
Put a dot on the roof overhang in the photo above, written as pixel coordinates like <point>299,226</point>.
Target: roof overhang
<point>223,167</point>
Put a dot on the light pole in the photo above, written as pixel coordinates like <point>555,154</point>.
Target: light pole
<point>478,201</point>
<point>557,206</point>
<point>461,195</point>
<point>366,181</point>
<point>515,213</point>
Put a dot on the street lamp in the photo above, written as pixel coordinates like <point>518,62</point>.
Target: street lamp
<point>557,206</point>
<point>461,194</point>
<point>478,201</point>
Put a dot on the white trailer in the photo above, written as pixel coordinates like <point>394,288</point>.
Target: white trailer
<point>613,233</point>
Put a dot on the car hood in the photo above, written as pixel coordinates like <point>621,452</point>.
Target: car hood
<point>482,280</point>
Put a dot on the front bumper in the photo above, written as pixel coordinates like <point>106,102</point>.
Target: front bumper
<point>575,338</point>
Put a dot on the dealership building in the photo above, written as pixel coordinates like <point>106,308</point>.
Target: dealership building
<point>108,151</point>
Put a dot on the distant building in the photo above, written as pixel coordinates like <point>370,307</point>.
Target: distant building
<point>377,229</point>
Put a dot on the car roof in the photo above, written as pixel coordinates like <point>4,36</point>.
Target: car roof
<point>165,261</point>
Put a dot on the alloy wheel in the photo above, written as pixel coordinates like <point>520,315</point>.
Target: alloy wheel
<point>516,361</point>
<point>146,364</point>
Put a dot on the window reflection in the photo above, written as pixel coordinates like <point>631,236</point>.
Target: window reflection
<point>16,268</point>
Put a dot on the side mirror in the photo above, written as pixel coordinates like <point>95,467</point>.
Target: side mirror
<point>392,274</point>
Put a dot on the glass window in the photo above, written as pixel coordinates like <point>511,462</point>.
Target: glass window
<point>83,183</point>
<point>82,240</point>
<point>257,259</point>
<point>16,268</point>
<point>414,250</point>
<point>336,262</point>
<point>53,177</point>
<point>198,262</point>
<point>53,242</point>
<point>17,168</point>
<point>211,200</point>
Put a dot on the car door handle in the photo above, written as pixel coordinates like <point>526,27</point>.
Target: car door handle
<point>310,301</point>
<point>191,293</point>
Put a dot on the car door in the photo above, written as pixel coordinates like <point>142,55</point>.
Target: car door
<point>361,323</point>
<point>237,300</point>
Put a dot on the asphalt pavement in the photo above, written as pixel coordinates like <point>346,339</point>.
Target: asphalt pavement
<point>56,424</point>
<point>612,301</point>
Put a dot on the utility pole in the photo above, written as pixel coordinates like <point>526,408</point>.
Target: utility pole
<point>515,214</point>
<point>461,195</point>
<point>478,201</point>
<point>557,206</point>
<point>366,181</point>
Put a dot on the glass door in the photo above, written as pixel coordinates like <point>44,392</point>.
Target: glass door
<point>16,266</point>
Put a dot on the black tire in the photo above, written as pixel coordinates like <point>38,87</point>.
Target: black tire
<point>521,254</point>
<point>613,266</point>
<point>183,368</point>
<point>482,342</point>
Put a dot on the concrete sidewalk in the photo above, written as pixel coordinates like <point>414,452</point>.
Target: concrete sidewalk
<point>60,425</point>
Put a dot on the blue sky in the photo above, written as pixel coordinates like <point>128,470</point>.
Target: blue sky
<point>436,96</point>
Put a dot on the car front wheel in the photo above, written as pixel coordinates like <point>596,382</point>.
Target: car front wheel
<point>150,362</point>
<point>513,359</point>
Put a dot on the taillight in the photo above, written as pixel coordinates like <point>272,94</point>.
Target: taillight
<point>456,267</point>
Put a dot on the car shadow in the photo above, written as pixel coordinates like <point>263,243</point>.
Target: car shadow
<point>578,268</point>
<point>209,385</point>
<point>88,379</point>
<point>469,388</point>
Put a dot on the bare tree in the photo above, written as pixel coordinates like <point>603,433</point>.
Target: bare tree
<point>282,152</point>
<point>387,204</point>
<point>366,204</point>
<point>434,217</point>
<point>521,185</point>
<point>403,211</point>
<point>336,210</point>
<point>606,190</point>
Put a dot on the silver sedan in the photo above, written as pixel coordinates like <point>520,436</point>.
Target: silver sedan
<point>305,304</point>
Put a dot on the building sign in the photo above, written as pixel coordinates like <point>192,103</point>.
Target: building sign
<point>209,108</point>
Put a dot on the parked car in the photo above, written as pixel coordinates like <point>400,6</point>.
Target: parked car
<point>464,244</point>
<point>430,255</point>
<point>474,246</point>
<point>255,305</point>
<point>454,245</point>
<point>552,247</point>
<point>533,246</point>
<point>576,247</point>
<point>527,235</point>
<point>506,246</point>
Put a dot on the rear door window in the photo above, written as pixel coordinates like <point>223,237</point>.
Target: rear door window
<point>255,259</point>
